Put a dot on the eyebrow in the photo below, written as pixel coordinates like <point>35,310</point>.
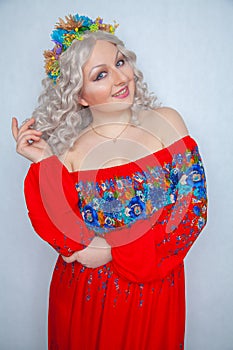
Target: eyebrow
<point>102,65</point>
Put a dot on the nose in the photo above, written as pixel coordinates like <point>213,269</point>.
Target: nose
<point>119,77</point>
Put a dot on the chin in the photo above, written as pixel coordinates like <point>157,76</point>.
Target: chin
<point>112,107</point>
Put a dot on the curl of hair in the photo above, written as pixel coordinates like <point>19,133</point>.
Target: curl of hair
<point>59,115</point>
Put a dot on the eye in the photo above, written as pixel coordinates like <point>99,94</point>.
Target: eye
<point>100,76</point>
<point>120,63</point>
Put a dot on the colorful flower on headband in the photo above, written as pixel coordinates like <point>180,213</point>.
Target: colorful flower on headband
<point>86,21</point>
<point>66,31</point>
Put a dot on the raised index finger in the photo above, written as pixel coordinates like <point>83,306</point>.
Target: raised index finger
<point>14,128</point>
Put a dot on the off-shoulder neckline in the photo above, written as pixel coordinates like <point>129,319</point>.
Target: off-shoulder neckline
<point>185,140</point>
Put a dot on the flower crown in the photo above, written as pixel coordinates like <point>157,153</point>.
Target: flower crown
<point>73,28</point>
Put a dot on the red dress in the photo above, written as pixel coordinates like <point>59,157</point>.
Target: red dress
<point>150,211</point>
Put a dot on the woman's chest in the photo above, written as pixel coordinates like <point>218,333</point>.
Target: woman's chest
<point>97,153</point>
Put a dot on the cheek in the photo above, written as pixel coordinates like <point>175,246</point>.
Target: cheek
<point>129,71</point>
<point>130,74</point>
<point>96,93</point>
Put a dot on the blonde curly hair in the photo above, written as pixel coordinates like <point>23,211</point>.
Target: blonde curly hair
<point>59,115</point>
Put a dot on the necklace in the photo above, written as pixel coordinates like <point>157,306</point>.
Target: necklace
<point>114,139</point>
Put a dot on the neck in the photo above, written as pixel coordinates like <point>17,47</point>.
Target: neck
<point>105,119</point>
<point>111,125</point>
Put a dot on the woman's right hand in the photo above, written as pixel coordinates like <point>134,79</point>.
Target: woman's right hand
<point>29,142</point>
<point>96,254</point>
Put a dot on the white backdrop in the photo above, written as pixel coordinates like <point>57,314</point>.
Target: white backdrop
<point>185,50</point>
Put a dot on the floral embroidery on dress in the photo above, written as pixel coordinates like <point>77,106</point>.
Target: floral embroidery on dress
<point>120,201</point>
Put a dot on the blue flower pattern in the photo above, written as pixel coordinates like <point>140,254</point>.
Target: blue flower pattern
<point>119,201</point>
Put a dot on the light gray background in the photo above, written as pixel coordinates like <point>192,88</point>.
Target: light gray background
<point>185,50</point>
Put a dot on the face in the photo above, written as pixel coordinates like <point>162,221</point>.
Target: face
<point>108,79</point>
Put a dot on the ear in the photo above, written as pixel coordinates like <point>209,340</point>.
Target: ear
<point>82,101</point>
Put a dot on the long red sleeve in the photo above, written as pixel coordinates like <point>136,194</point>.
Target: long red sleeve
<point>173,229</point>
<point>51,200</point>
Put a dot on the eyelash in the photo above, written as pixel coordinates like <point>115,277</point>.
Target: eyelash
<point>121,60</point>
<point>99,75</point>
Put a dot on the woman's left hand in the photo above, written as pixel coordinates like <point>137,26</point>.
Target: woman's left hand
<point>98,253</point>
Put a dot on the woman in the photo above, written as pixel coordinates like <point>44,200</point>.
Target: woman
<point>117,187</point>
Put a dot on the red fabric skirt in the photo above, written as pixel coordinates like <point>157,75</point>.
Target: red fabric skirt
<point>96,309</point>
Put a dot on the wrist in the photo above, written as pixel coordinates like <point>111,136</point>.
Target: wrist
<point>99,242</point>
<point>45,156</point>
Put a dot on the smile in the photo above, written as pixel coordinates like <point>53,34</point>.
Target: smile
<point>122,93</point>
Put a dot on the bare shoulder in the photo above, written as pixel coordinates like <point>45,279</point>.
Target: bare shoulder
<point>165,123</point>
<point>173,118</point>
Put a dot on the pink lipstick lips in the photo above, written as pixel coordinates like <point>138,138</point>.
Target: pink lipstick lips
<point>122,93</point>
